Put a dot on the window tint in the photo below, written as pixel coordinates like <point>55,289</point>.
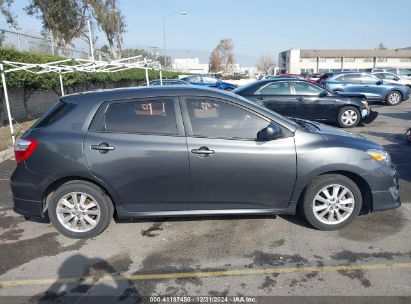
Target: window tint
<point>368,79</point>
<point>354,78</point>
<point>151,116</point>
<point>193,79</point>
<point>304,88</point>
<point>209,80</point>
<point>403,72</point>
<point>390,76</point>
<point>57,111</point>
<point>215,119</point>
<point>275,88</point>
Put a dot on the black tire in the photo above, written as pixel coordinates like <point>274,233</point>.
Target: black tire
<point>393,98</point>
<point>348,117</point>
<point>319,183</point>
<point>100,198</point>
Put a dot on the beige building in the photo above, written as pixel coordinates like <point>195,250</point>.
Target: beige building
<point>322,61</point>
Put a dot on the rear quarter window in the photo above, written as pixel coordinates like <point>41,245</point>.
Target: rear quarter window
<point>55,113</point>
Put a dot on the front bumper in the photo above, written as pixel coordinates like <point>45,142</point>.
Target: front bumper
<point>385,188</point>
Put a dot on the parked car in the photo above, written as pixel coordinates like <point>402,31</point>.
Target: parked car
<point>392,78</point>
<point>208,81</point>
<point>401,73</point>
<point>369,85</point>
<point>191,151</point>
<point>313,77</point>
<point>157,82</point>
<point>302,99</point>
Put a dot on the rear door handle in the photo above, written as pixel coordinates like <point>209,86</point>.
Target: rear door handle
<point>102,147</point>
<point>260,97</point>
<point>300,98</point>
<point>204,151</point>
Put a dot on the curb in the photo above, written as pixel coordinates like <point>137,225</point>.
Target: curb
<point>6,154</point>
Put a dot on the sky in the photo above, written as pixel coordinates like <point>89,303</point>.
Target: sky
<point>260,26</point>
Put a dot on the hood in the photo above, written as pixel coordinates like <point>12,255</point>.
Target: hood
<point>341,135</point>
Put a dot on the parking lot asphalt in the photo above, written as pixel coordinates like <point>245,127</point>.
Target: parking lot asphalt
<point>225,256</point>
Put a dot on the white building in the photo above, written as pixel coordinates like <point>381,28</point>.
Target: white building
<point>190,65</point>
<point>193,66</point>
<point>322,61</point>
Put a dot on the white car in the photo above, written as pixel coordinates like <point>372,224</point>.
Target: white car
<point>401,73</point>
<point>392,78</point>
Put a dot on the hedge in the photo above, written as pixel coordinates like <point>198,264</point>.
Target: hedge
<point>26,80</point>
<point>73,82</point>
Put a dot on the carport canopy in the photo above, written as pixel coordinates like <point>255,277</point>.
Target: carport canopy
<point>74,65</point>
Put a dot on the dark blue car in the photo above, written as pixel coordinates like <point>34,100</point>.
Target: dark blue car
<point>208,81</point>
<point>373,88</point>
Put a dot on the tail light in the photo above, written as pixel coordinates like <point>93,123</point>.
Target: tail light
<point>23,148</point>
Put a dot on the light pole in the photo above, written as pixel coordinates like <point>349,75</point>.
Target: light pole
<point>164,33</point>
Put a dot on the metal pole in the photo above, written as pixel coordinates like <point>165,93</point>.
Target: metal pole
<point>90,40</point>
<point>161,77</point>
<point>61,83</point>
<point>147,80</point>
<point>164,42</point>
<point>6,96</point>
<point>52,43</point>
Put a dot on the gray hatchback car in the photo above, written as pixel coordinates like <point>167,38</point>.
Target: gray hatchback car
<point>190,151</point>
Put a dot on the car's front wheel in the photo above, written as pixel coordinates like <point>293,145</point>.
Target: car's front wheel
<point>348,117</point>
<point>331,202</point>
<point>80,210</point>
<point>393,98</point>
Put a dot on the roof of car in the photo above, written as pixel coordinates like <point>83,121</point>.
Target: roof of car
<point>96,96</point>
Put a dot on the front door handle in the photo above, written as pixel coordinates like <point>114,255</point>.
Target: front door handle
<point>260,97</point>
<point>102,147</point>
<point>300,98</point>
<point>202,151</point>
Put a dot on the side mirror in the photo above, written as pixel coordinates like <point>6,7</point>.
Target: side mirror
<point>271,132</point>
<point>323,94</point>
<point>379,82</point>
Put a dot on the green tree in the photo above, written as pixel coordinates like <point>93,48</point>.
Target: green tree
<point>67,19</point>
<point>110,21</point>
<point>6,12</point>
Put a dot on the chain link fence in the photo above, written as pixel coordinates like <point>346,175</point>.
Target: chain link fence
<point>32,40</point>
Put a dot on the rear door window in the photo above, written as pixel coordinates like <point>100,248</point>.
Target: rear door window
<point>305,88</point>
<point>142,116</point>
<point>275,88</point>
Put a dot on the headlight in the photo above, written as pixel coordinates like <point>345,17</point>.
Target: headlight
<point>380,156</point>
<point>365,103</point>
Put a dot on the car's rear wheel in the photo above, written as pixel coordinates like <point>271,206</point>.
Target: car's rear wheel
<point>393,98</point>
<point>348,117</point>
<point>331,202</point>
<point>80,210</point>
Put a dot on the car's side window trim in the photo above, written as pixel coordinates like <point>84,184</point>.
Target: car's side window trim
<point>101,111</point>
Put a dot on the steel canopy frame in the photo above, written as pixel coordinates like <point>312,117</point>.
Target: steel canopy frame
<point>74,65</point>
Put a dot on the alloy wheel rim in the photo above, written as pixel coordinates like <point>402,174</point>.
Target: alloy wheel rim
<point>78,212</point>
<point>349,117</point>
<point>394,98</point>
<point>333,204</point>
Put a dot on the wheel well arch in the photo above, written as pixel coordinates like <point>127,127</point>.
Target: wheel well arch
<point>392,90</point>
<point>59,182</point>
<point>367,201</point>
